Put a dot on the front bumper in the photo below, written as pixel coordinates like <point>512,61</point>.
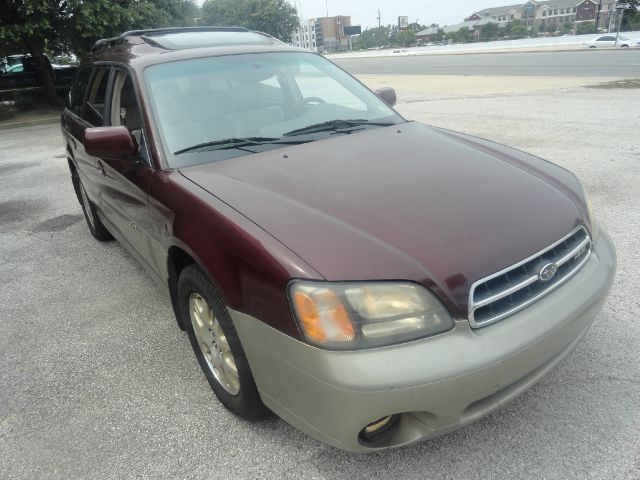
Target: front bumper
<point>435,385</point>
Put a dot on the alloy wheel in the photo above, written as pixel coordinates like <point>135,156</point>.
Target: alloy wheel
<point>213,344</point>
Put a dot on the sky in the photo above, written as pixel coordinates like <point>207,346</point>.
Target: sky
<point>364,12</point>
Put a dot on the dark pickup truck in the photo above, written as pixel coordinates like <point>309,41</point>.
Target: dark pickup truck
<point>22,73</point>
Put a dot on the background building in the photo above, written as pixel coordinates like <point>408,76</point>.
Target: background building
<point>539,14</point>
<point>324,34</point>
<point>334,39</point>
<point>306,36</point>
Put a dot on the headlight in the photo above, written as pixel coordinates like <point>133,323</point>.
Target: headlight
<point>353,316</point>
<point>590,213</point>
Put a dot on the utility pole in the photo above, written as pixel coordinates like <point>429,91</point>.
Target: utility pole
<point>598,14</point>
<point>620,12</point>
<point>326,4</point>
<point>379,17</point>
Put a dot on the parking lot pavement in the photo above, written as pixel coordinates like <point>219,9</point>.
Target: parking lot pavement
<point>97,381</point>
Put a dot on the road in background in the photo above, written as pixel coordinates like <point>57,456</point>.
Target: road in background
<point>539,44</point>
<point>580,63</point>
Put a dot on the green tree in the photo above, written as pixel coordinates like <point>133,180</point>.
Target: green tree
<point>29,27</point>
<point>408,38</point>
<point>586,27</point>
<point>631,18</point>
<point>517,29</point>
<point>95,19</point>
<point>551,27</point>
<point>57,26</point>
<point>566,28</point>
<point>275,17</point>
<point>464,35</point>
<point>371,38</point>
<point>489,31</point>
<point>402,38</point>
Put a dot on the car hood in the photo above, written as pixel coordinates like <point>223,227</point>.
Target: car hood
<point>407,202</point>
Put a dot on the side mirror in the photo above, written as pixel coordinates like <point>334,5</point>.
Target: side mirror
<point>387,94</point>
<point>109,142</point>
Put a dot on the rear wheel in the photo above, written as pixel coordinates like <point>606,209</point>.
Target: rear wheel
<point>216,344</point>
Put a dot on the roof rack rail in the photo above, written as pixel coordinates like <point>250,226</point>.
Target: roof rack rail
<point>104,42</point>
<point>268,35</point>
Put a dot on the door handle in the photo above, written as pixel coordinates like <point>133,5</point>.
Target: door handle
<point>100,168</point>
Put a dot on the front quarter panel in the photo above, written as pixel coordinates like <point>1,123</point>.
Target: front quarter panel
<point>249,266</point>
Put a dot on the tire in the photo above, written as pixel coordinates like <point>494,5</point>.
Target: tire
<point>624,46</point>
<point>96,227</point>
<point>216,345</point>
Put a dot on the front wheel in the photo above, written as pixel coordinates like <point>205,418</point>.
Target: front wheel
<point>216,344</point>
<point>96,227</point>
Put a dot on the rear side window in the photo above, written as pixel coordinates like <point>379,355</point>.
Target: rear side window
<point>79,90</point>
<point>96,97</point>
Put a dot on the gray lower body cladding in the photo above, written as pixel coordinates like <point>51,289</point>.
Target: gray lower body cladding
<point>434,385</point>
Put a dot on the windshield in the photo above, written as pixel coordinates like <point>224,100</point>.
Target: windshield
<point>204,108</point>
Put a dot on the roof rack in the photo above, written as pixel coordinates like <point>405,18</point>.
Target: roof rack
<point>106,42</point>
<point>269,36</point>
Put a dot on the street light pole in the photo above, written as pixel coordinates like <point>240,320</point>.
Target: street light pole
<point>621,13</point>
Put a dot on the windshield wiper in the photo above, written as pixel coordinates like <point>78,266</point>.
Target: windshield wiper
<point>229,143</point>
<point>336,126</point>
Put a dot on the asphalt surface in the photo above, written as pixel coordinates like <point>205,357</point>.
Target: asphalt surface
<point>577,63</point>
<point>97,381</point>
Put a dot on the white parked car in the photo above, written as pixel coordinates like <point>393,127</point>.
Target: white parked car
<point>609,41</point>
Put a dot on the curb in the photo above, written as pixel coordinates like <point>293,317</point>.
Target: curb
<point>30,123</point>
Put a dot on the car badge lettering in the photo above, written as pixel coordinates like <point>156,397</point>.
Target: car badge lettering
<point>548,272</point>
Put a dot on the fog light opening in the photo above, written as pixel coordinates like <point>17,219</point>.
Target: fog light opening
<point>373,431</point>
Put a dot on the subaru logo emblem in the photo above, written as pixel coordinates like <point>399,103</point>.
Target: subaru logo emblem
<point>548,272</point>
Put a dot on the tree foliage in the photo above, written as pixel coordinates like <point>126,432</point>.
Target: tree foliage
<point>516,29</point>
<point>586,27</point>
<point>28,27</point>
<point>55,26</point>
<point>489,31</point>
<point>401,38</point>
<point>372,38</point>
<point>631,19</point>
<point>95,19</point>
<point>567,28</point>
<point>381,37</point>
<point>275,17</point>
<point>464,35</point>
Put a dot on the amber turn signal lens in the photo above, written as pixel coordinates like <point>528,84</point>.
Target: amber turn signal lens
<point>322,316</point>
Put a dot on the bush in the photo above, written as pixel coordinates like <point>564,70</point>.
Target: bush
<point>6,112</point>
<point>566,28</point>
<point>25,101</point>
<point>586,27</point>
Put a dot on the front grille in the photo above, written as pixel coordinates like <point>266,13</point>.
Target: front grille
<point>509,291</point>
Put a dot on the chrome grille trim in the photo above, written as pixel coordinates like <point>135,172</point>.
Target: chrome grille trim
<point>491,299</point>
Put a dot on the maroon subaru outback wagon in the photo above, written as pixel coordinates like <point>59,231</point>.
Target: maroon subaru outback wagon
<point>373,281</point>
